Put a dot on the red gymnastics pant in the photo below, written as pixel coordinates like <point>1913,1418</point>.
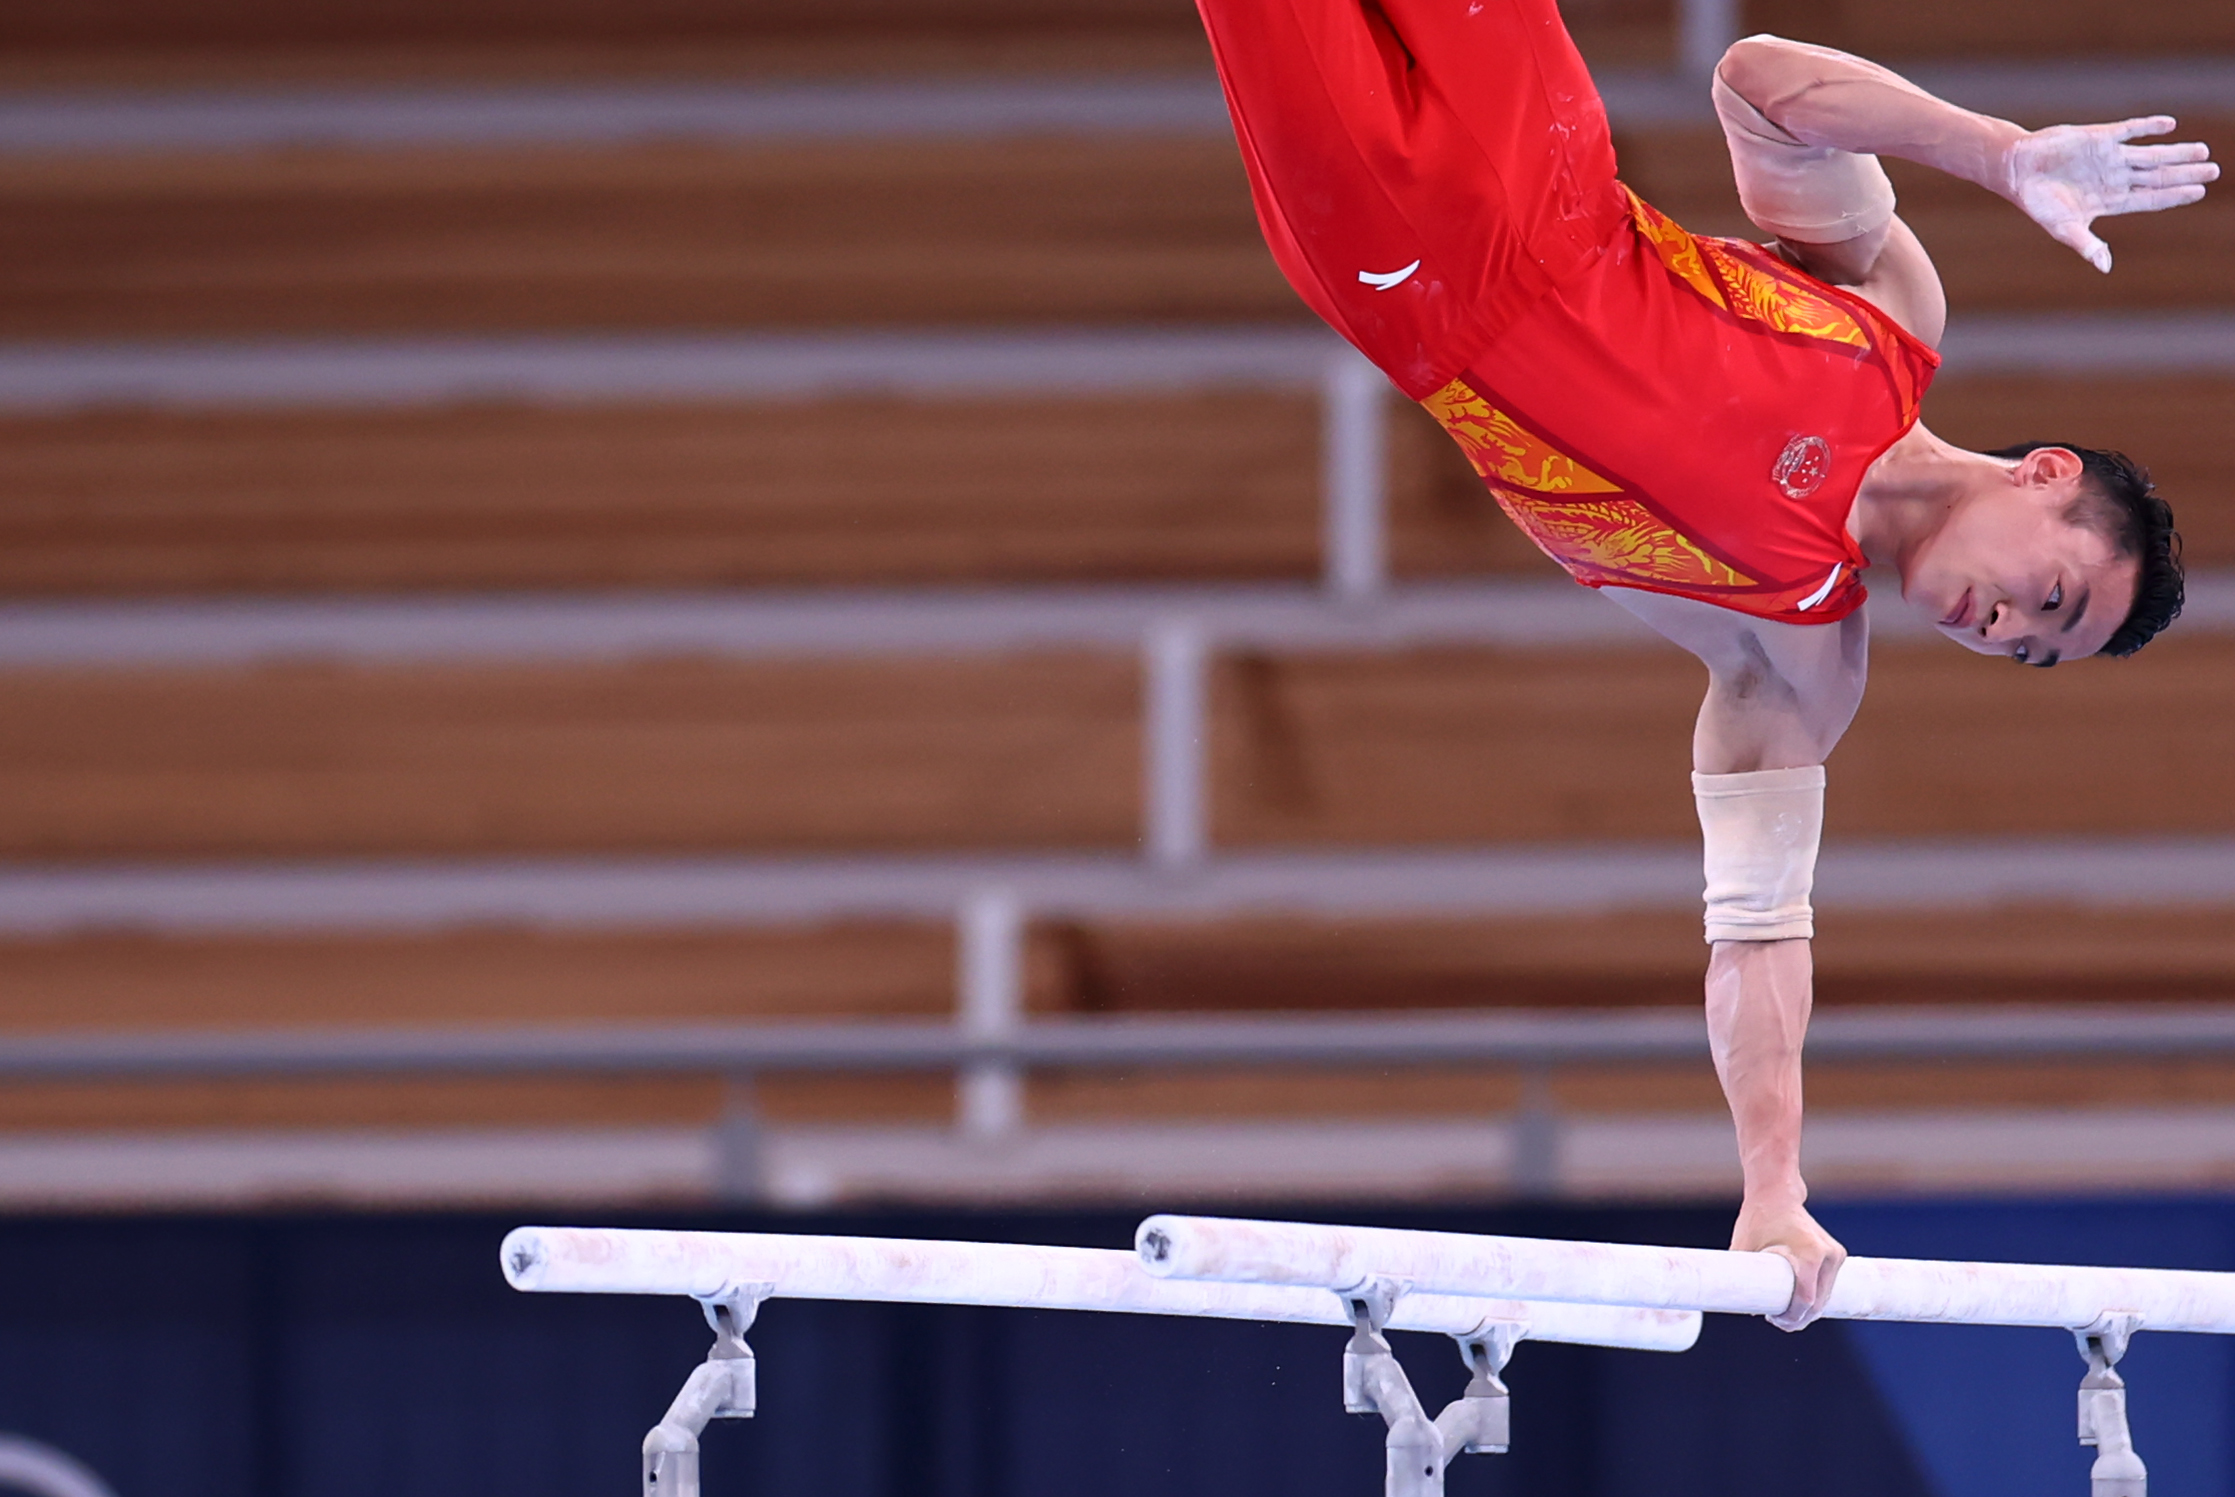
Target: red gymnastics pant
<point>1424,170</point>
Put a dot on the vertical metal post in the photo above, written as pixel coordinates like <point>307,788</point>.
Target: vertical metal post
<point>2118,1470</point>
<point>1535,1172</point>
<point>1175,672</point>
<point>737,1144</point>
<point>989,981</point>
<point>1705,28</point>
<point>1355,478</point>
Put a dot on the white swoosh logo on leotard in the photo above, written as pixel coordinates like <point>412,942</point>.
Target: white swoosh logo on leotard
<point>1820,593</point>
<point>1384,280</point>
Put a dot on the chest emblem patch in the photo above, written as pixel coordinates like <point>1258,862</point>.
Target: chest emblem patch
<point>1802,467</point>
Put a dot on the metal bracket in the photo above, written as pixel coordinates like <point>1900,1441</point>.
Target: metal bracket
<point>1417,1449</point>
<point>724,1386</point>
<point>1480,1420</point>
<point>2118,1471</point>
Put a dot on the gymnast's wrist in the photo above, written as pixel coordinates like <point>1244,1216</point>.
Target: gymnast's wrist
<point>2000,151</point>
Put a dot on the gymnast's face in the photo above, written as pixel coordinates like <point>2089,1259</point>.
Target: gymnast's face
<point>2012,572</point>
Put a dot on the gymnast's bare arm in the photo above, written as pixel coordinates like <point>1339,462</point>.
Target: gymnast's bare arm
<point>1778,697</point>
<point>2063,177</point>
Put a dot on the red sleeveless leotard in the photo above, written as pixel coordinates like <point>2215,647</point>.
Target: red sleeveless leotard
<point>1687,415</point>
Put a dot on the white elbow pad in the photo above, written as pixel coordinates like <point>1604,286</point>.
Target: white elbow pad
<point>1807,194</point>
<point>1762,830</point>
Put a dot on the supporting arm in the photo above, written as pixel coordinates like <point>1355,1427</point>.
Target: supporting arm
<point>1758,1002</point>
<point>1779,697</point>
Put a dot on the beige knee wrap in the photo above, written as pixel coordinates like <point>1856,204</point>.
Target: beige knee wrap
<point>1807,194</point>
<point>1761,831</point>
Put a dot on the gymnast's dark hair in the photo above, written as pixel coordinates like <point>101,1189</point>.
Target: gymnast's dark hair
<point>2126,506</point>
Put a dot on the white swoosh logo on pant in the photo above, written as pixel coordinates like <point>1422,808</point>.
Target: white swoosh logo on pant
<point>1383,281</point>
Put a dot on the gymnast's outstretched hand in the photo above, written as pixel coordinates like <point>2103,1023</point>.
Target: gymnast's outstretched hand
<point>2068,176</point>
<point>1792,1234</point>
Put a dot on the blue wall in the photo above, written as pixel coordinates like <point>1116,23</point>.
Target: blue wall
<point>354,1356</point>
<point>1990,1412</point>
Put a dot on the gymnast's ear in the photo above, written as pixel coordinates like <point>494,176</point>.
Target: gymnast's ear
<point>2049,467</point>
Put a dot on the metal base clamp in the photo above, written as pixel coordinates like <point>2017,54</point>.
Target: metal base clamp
<point>1418,1449</point>
<point>2118,1471</point>
<point>724,1386</point>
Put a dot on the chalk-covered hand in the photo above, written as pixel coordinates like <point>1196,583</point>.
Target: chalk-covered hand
<point>2068,176</point>
<point>1792,1234</point>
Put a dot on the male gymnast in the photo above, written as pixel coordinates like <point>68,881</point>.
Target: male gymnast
<point>1720,434</point>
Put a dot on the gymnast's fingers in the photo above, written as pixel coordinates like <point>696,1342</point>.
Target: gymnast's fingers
<point>2186,150</point>
<point>2152,200</point>
<point>2177,176</point>
<point>2074,235</point>
<point>2149,124</point>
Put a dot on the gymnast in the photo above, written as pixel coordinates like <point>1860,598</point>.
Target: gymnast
<point>1720,434</point>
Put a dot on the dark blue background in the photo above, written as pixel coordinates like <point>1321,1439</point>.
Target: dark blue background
<point>372,1356</point>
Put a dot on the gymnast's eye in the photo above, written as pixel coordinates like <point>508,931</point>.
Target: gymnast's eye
<point>2019,654</point>
<point>2055,600</point>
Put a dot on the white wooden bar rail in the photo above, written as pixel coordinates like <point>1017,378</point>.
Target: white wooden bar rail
<point>714,1265</point>
<point>2101,1307</point>
<point>2020,1294</point>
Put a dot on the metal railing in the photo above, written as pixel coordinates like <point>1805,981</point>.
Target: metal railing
<point>1528,1039</point>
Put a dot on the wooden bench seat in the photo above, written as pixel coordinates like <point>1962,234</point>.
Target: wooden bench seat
<point>866,491</point>
<point>314,760</point>
<point>1220,486</point>
<point>632,238</point>
<point>128,42</point>
<point>1442,747</point>
<point>171,42</point>
<point>1976,29</point>
<point>330,241</point>
<point>1466,746</point>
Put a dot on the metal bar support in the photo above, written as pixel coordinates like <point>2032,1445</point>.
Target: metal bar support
<point>738,1165</point>
<point>989,961</point>
<point>2118,1471</point>
<point>1175,667</point>
<point>724,1386</point>
<point>1355,458</point>
<point>1704,29</point>
<point>1535,1171</point>
<point>1417,1448</point>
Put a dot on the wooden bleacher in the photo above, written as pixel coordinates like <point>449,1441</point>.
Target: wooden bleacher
<point>169,42</point>
<point>1442,747</point>
<point>341,241</point>
<point>868,491</point>
<point>1211,486</point>
<point>2000,29</point>
<point>316,759</point>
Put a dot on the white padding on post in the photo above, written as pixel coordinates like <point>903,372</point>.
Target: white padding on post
<point>1761,831</point>
<point>1799,192</point>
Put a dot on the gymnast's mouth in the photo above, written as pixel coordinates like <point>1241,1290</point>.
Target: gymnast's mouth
<point>1959,615</point>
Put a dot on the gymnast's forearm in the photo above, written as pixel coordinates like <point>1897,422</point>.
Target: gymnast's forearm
<point>1826,98</point>
<point>1758,1001</point>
